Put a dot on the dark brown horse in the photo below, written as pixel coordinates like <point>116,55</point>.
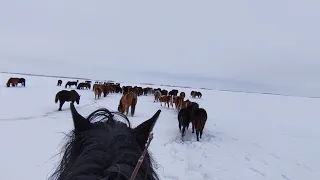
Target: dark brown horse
<point>164,92</point>
<point>128,100</point>
<point>65,95</point>
<point>195,94</point>
<point>185,117</point>
<point>15,81</point>
<point>198,94</point>
<point>183,94</point>
<point>199,118</point>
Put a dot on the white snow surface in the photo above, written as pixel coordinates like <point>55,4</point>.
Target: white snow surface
<point>246,137</point>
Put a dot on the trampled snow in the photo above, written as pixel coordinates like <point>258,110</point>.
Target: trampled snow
<point>247,136</point>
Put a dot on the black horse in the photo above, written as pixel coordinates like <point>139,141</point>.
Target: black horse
<point>59,82</point>
<point>84,85</point>
<point>103,147</point>
<point>22,81</point>
<point>173,92</point>
<point>65,95</point>
<point>185,117</point>
<point>71,83</point>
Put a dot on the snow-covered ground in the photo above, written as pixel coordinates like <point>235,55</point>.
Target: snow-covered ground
<point>247,136</point>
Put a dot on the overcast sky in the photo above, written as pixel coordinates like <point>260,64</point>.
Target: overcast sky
<point>249,40</point>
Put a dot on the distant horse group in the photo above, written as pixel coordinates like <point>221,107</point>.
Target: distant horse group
<point>188,112</point>
<point>195,115</point>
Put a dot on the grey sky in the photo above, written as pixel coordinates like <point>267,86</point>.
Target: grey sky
<point>274,41</point>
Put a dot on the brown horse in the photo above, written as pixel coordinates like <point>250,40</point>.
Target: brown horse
<point>185,103</point>
<point>178,101</point>
<point>127,100</point>
<point>15,81</point>
<point>199,118</point>
<point>97,92</point>
<point>95,86</point>
<point>166,99</point>
<point>65,95</point>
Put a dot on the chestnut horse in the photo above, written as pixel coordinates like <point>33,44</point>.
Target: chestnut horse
<point>199,118</point>
<point>166,99</point>
<point>178,101</point>
<point>127,100</point>
<point>97,92</point>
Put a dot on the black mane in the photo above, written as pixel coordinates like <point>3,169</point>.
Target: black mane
<point>106,148</point>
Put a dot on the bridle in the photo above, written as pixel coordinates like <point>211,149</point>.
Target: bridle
<point>137,167</point>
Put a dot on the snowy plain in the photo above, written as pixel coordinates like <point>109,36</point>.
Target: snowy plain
<point>247,136</point>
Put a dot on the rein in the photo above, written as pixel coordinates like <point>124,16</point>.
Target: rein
<point>136,169</point>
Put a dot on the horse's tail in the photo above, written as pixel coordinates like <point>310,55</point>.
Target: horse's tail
<point>171,101</point>
<point>120,105</point>
<point>133,105</point>
<point>57,98</point>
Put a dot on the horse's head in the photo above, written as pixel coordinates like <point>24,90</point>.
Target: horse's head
<point>102,147</point>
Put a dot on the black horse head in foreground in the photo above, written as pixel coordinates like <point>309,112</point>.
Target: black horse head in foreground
<point>101,147</point>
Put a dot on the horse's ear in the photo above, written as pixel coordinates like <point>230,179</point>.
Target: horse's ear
<point>80,123</point>
<point>145,128</point>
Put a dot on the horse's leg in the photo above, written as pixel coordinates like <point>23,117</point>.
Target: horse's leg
<point>180,120</point>
<point>61,104</point>
<point>127,110</point>
<point>197,133</point>
<point>193,127</point>
<point>183,131</point>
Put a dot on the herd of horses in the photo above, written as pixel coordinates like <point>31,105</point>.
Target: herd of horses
<point>103,147</point>
<point>188,112</point>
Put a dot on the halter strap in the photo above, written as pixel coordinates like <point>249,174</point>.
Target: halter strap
<point>136,169</point>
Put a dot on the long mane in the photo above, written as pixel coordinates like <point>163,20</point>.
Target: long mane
<point>107,150</point>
